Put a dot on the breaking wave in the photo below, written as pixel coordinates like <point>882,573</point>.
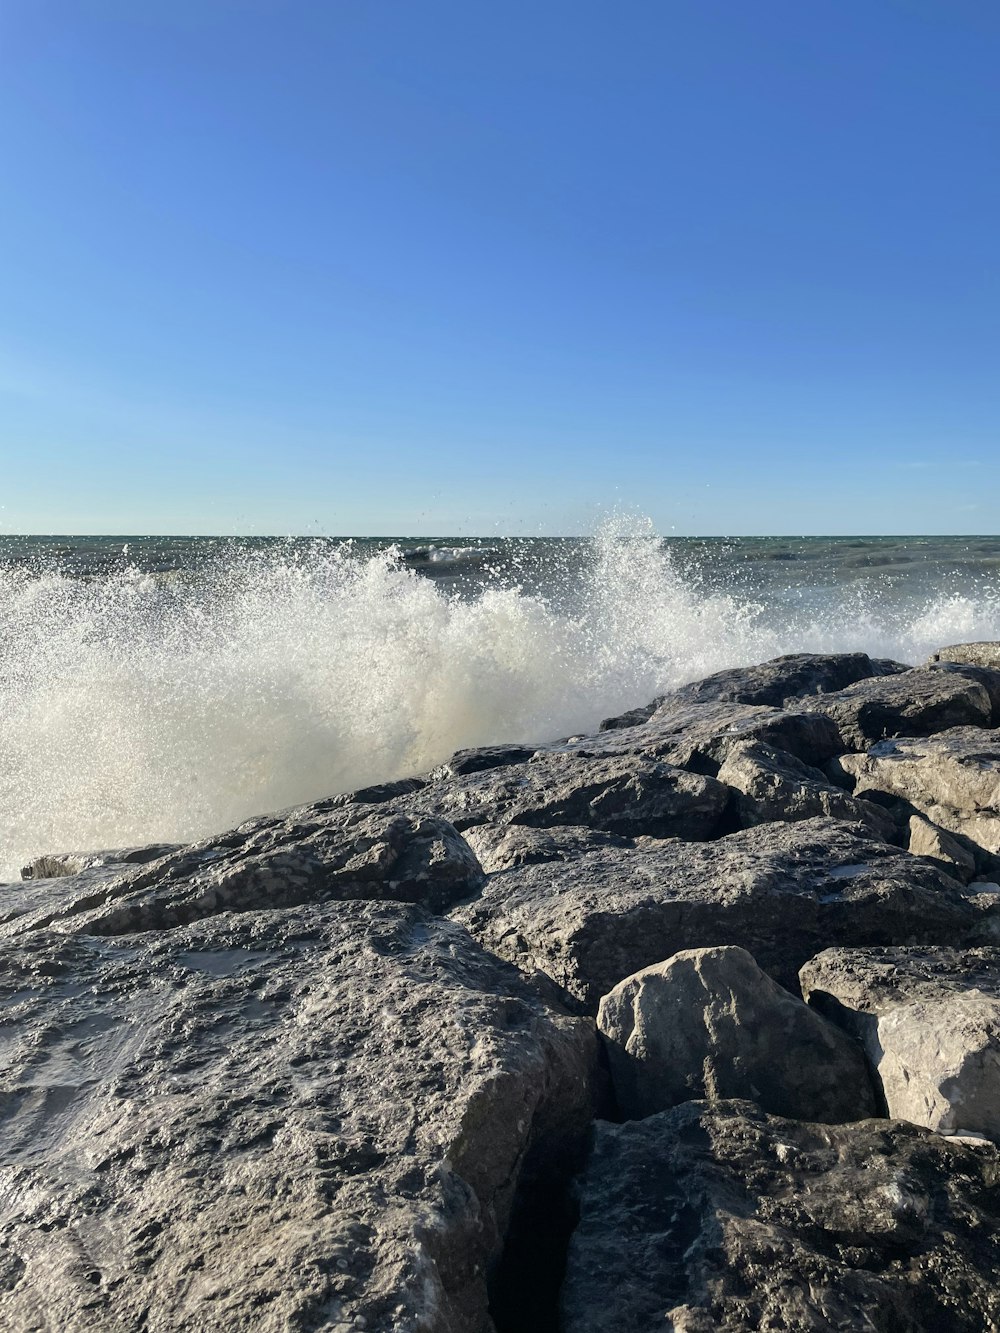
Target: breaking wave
<point>139,707</point>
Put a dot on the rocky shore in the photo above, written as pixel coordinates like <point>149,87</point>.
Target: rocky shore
<point>692,1024</point>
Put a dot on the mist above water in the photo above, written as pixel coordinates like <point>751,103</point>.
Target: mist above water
<point>136,707</point>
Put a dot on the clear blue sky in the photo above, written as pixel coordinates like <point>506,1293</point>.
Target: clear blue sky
<point>441,266</point>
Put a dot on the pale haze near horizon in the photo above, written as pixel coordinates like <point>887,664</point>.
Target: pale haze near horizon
<point>439,269</point>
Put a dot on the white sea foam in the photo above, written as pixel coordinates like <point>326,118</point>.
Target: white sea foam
<point>135,708</point>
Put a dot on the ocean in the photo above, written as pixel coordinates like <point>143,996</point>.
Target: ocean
<point>163,688</point>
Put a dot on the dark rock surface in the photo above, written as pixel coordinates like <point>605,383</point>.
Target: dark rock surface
<point>984,654</point>
<point>624,794</point>
<point>952,778</point>
<point>913,703</point>
<point>929,1021</point>
<point>314,854</point>
<point>311,1119</point>
<point>787,679</point>
<point>724,1218</point>
<point>781,891</point>
<point>774,785</point>
<point>505,846</point>
<point>708,1023</point>
<point>73,863</point>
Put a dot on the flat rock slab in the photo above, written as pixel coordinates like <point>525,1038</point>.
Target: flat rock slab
<point>913,703</point>
<point>499,847</point>
<point>952,778</point>
<point>319,853</point>
<point>625,794</point>
<point>724,1218</point>
<point>929,1021</point>
<point>313,1119</point>
<point>781,891</point>
<point>708,1023</point>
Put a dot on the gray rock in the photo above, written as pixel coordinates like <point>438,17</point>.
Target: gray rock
<point>54,865</point>
<point>481,759</point>
<point>929,1020</point>
<point>314,854</point>
<point>913,703</point>
<point>504,846</point>
<point>927,839</point>
<point>781,891</point>
<point>784,680</point>
<point>624,794</point>
<point>952,778</point>
<point>313,1119</point>
<point>720,1217</point>
<point>708,1023</point>
<point>983,654</point>
<point>773,784</point>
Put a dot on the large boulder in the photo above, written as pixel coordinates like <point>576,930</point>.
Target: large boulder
<point>311,1119</point>
<point>772,784</point>
<point>318,853</point>
<point>913,703</point>
<point>624,794</point>
<point>982,654</point>
<point>781,891</point>
<point>505,846</point>
<point>952,778</point>
<point>708,1023</point>
<point>721,1217</point>
<point>929,1021</point>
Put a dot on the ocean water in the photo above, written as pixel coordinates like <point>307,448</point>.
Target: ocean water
<point>165,688</point>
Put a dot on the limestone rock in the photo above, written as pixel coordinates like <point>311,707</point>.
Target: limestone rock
<point>54,865</point>
<point>929,1020</point>
<point>927,839</point>
<point>913,703</point>
<point>505,846</point>
<point>773,784</point>
<point>708,1023</point>
<point>313,1119</point>
<point>982,654</point>
<point>313,854</point>
<point>787,679</point>
<point>952,778</point>
<point>709,1218</point>
<point>623,794</point>
<point>781,891</point>
<point>482,758</point>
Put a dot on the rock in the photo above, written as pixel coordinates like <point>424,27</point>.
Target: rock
<point>773,784</point>
<point>54,865</point>
<point>481,759</point>
<point>309,1119</point>
<point>781,891</point>
<point>926,839</point>
<point>708,1023</point>
<point>929,1020</point>
<point>784,680</point>
<point>504,846</point>
<point>983,654</point>
<point>633,718</point>
<point>953,779</point>
<point>721,1217</point>
<point>623,794</point>
<point>314,854</point>
<point>913,703</point>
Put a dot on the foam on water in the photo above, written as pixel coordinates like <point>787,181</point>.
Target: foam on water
<point>136,708</point>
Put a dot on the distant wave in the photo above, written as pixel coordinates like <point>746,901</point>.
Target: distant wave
<point>136,708</point>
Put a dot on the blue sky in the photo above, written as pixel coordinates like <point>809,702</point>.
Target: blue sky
<point>433,266</point>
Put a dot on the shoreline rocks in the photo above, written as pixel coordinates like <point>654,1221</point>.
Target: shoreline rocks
<point>335,1069</point>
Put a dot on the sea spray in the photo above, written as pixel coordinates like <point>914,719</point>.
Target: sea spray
<point>137,707</point>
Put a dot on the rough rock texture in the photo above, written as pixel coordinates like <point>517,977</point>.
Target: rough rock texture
<point>913,703</point>
<point>306,1120</point>
<point>926,839</point>
<point>55,865</point>
<point>624,794</point>
<point>481,759</point>
<point>724,1218</point>
<point>983,654</point>
<point>708,1023</point>
<point>782,891</point>
<point>773,784</point>
<point>314,854</point>
<point>952,778</point>
<point>929,1020</point>
<point>504,846</point>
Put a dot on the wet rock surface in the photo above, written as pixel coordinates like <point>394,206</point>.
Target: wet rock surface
<point>722,1217</point>
<point>709,1024</point>
<point>781,891</point>
<point>929,1021</point>
<point>308,1119</point>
